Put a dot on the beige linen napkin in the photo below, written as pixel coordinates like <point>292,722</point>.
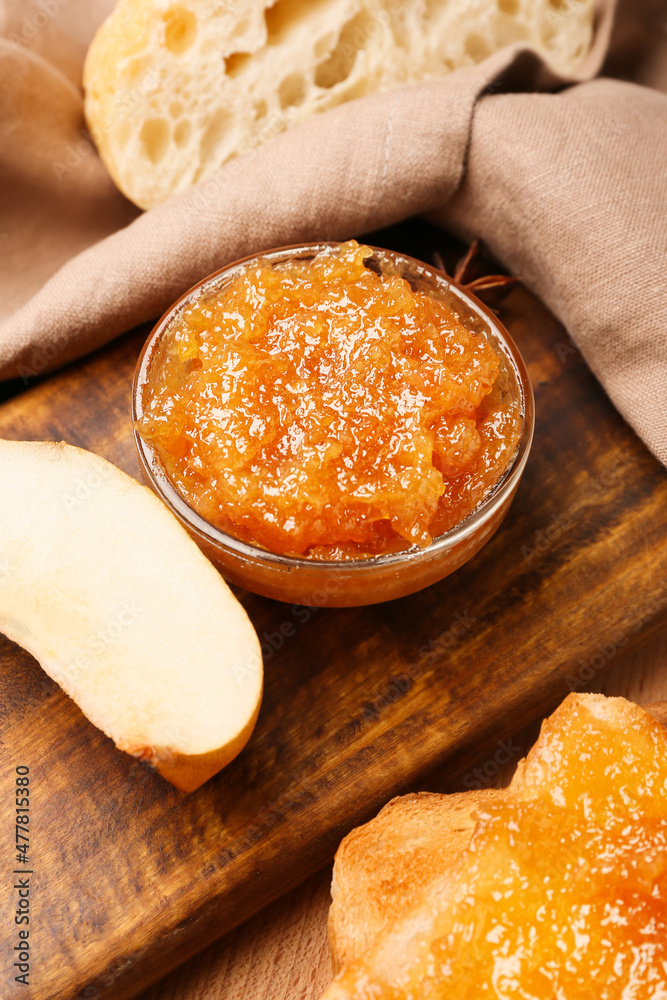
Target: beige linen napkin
<point>569,189</point>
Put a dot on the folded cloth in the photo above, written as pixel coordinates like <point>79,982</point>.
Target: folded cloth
<point>567,188</point>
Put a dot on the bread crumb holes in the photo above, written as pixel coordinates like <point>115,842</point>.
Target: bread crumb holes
<point>154,136</point>
<point>292,90</point>
<point>180,29</point>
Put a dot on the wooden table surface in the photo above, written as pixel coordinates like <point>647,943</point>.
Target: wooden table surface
<point>282,953</point>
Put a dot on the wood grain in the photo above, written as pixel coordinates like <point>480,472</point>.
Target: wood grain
<point>276,964</point>
<point>282,952</point>
<point>132,877</point>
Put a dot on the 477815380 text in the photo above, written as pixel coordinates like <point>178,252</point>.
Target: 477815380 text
<point>21,877</point>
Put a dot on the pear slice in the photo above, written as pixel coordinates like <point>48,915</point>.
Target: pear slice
<point>103,586</point>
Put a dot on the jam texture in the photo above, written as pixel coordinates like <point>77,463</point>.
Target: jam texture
<point>562,892</point>
<point>319,408</point>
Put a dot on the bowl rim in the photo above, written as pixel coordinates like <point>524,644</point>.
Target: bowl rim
<point>219,539</point>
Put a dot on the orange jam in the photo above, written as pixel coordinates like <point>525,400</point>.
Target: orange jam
<point>563,890</point>
<point>317,407</point>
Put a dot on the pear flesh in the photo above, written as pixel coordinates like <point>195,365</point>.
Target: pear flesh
<point>108,592</point>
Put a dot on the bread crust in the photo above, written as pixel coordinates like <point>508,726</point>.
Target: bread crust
<point>176,88</point>
<point>385,869</point>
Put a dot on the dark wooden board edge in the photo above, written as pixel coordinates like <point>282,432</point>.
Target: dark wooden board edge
<point>100,382</point>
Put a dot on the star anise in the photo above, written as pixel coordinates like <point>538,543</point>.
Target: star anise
<point>490,288</point>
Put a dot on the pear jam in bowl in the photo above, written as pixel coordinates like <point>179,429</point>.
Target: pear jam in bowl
<point>334,424</point>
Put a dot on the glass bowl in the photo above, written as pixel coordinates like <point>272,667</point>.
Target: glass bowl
<point>347,583</point>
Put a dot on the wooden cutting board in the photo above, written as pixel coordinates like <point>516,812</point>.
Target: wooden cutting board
<point>131,876</point>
